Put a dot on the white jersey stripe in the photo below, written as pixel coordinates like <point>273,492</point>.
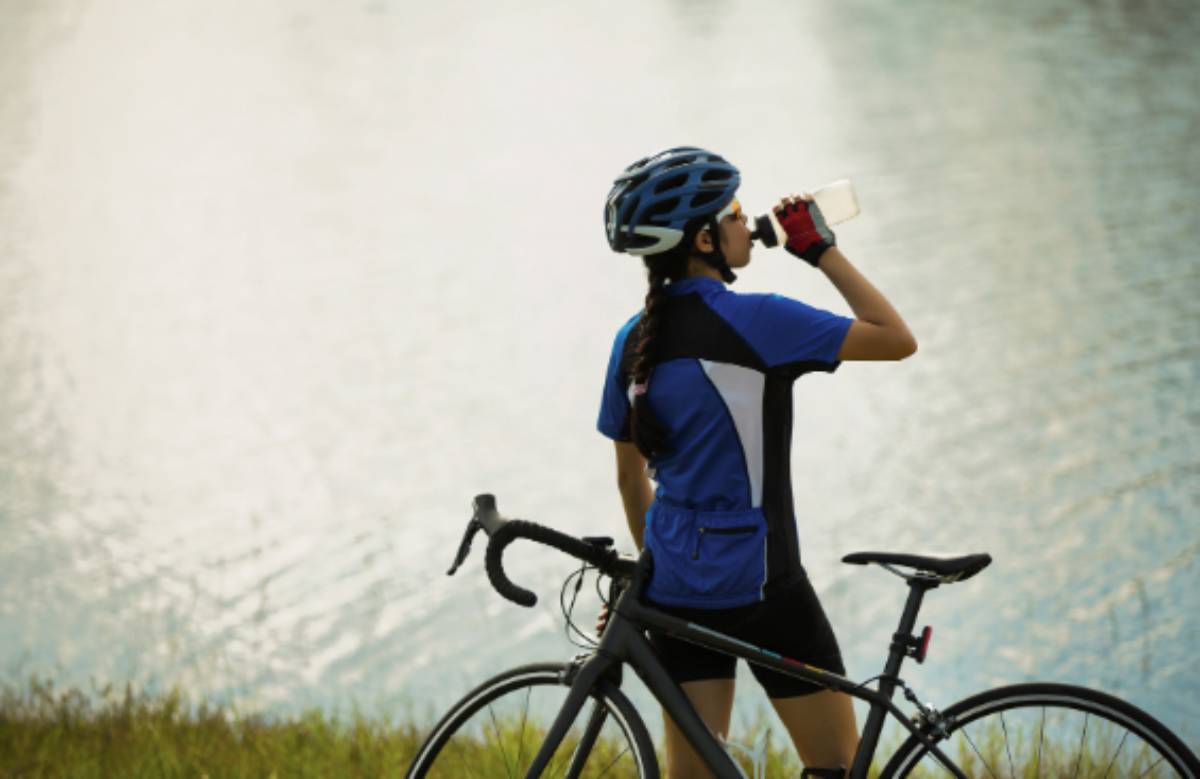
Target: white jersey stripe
<point>741,389</point>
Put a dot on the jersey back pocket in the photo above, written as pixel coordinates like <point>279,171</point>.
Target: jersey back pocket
<point>706,559</point>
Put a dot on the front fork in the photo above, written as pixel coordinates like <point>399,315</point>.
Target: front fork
<point>588,740</point>
<point>583,674</point>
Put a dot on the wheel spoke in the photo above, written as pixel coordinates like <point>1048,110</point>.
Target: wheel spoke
<point>521,737</point>
<point>1041,739</point>
<point>1004,727</point>
<point>1113,762</point>
<point>500,742</point>
<point>1082,739</point>
<point>613,763</point>
<point>1151,768</point>
<point>982,759</point>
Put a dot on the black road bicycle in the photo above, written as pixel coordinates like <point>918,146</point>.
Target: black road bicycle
<point>1024,730</point>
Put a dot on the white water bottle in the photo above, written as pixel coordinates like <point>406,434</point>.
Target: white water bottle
<point>758,754</point>
<point>837,201</point>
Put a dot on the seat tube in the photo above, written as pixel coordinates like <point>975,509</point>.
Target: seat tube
<point>887,685</point>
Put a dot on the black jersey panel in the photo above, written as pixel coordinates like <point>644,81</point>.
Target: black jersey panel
<point>689,328</point>
<point>783,545</point>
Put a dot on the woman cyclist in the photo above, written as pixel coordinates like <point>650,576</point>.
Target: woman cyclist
<point>698,396</point>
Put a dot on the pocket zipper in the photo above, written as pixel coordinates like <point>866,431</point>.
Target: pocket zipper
<point>721,531</point>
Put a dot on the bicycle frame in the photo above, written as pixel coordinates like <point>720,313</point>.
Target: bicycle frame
<point>624,642</point>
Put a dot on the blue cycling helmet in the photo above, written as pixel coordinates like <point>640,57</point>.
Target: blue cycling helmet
<point>656,198</point>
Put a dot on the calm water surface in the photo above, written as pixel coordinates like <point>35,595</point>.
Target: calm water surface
<point>283,285</point>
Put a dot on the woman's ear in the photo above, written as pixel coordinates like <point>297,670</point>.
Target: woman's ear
<point>703,242</point>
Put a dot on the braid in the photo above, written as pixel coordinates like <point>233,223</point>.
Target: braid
<point>649,324</point>
<point>649,434</point>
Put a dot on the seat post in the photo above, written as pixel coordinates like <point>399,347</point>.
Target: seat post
<point>917,587</point>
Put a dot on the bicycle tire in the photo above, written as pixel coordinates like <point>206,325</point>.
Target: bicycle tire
<point>1064,710</point>
<point>459,746</point>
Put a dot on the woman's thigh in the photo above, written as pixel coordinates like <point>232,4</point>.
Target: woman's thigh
<point>822,727</point>
<point>713,700</point>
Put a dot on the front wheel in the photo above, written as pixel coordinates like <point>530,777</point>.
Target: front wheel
<point>1047,730</point>
<point>496,730</point>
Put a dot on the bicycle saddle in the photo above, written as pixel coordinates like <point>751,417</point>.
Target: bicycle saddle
<point>946,569</point>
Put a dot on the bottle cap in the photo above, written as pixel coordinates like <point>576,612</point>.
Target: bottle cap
<point>767,230</point>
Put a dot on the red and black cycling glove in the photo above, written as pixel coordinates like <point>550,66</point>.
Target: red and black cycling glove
<point>807,234</point>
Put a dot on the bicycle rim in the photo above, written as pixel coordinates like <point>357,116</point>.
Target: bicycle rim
<point>1049,730</point>
<point>498,728</point>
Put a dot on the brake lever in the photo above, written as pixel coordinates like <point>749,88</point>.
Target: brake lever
<point>464,548</point>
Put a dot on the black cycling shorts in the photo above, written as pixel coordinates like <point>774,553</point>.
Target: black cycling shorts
<point>790,622</point>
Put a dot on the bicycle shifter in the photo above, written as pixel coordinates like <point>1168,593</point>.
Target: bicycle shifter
<point>464,548</point>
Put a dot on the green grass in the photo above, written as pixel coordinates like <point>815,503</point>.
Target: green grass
<point>49,733</point>
<point>45,732</point>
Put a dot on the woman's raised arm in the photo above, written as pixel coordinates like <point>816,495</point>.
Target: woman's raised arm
<point>878,332</point>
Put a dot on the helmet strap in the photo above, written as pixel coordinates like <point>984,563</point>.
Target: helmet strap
<point>716,258</point>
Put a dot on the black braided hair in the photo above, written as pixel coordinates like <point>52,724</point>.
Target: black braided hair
<point>649,433</point>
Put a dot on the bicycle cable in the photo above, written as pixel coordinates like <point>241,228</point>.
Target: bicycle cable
<point>584,641</point>
<point>600,593</point>
<point>881,677</point>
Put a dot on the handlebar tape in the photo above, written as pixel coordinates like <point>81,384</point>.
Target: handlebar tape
<point>519,528</point>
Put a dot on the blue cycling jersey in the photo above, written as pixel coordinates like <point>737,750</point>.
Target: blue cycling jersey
<point>722,529</point>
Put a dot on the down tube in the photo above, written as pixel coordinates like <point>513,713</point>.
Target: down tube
<point>682,712</point>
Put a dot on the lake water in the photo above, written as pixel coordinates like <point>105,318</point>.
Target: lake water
<point>283,285</point>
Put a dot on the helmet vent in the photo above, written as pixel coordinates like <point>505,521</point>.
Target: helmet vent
<point>661,209</point>
<point>672,182</point>
<point>704,198</point>
<point>715,175</point>
<point>635,182</point>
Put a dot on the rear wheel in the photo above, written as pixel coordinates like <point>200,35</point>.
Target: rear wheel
<point>1048,730</point>
<point>496,730</point>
